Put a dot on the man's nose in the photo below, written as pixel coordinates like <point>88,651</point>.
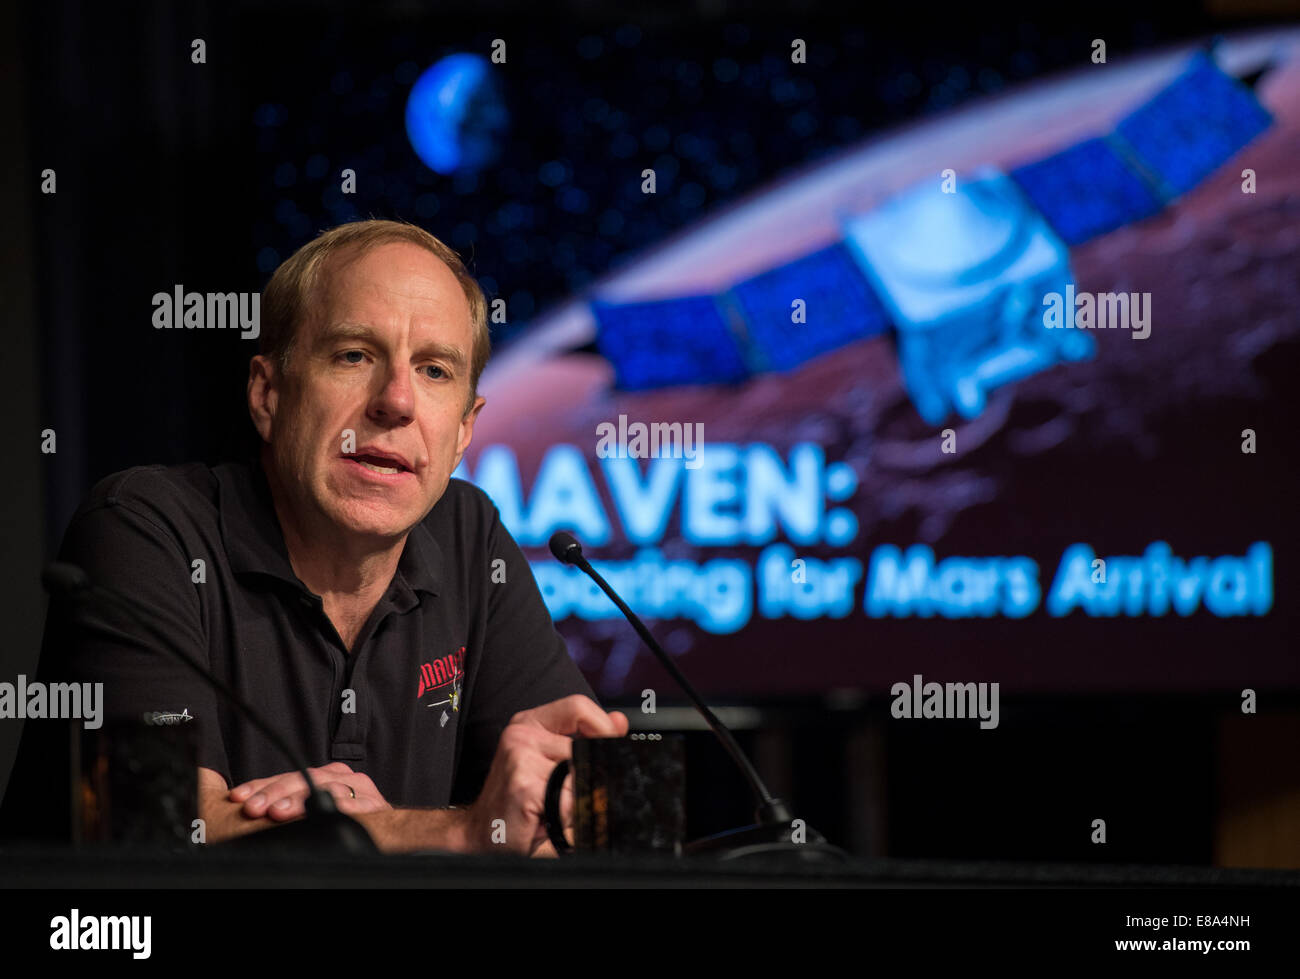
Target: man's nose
<point>395,401</point>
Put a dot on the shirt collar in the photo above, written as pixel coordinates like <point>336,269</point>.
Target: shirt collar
<point>255,544</point>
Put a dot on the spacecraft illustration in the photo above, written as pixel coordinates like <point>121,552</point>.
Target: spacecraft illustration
<point>955,269</point>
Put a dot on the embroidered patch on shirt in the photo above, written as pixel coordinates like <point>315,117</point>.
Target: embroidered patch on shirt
<point>441,680</point>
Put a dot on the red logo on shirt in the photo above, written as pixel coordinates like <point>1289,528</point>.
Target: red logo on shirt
<point>448,671</point>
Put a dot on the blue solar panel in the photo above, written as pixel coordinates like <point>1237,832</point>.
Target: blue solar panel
<point>673,341</point>
<point>1086,190</point>
<point>1192,126</point>
<point>839,307</point>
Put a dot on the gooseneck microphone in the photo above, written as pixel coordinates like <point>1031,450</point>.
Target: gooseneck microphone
<point>323,824</point>
<point>773,832</point>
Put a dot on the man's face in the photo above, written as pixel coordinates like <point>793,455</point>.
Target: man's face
<point>385,353</point>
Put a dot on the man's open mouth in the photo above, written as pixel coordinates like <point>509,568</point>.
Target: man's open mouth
<point>379,464</point>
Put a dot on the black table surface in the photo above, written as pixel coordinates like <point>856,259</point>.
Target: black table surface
<point>30,866</point>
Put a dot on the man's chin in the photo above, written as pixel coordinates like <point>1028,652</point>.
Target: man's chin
<point>375,521</point>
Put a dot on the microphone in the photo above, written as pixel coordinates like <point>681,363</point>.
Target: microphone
<point>772,832</point>
<point>323,822</point>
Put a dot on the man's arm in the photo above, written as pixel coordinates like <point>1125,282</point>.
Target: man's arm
<point>406,830</point>
<point>125,537</point>
<point>524,662</point>
<point>269,802</point>
<point>506,817</point>
<point>393,830</point>
<point>510,808</point>
<point>223,819</point>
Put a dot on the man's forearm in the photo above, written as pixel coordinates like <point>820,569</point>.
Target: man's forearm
<point>224,820</point>
<point>404,830</point>
<point>393,830</point>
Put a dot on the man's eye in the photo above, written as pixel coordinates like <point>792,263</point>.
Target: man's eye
<point>348,353</point>
<point>440,373</point>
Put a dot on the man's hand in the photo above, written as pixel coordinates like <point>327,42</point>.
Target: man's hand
<point>283,797</point>
<point>393,830</point>
<point>531,745</point>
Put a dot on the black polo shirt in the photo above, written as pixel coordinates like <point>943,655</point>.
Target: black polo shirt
<point>460,641</point>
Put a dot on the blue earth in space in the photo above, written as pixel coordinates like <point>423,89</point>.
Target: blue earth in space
<point>456,115</point>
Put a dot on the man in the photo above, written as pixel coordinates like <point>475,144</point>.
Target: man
<point>374,609</point>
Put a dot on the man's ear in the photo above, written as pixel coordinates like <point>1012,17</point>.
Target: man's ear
<point>263,395</point>
<point>467,429</point>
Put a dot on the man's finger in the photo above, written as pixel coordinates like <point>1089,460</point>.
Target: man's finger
<point>541,838</point>
<point>242,791</point>
<point>532,738</point>
<point>544,850</point>
<point>267,796</point>
<point>294,804</point>
<point>524,813</point>
<point>289,807</point>
<point>577,715</point>
<point>568,802</point>
<point>246,789</point>
<point>607,724</point>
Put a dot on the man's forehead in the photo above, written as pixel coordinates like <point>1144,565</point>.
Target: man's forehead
<point>399,267</point>
<point>361,289</point>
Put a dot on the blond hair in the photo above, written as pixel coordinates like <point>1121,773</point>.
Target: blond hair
<point>294,284</point>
